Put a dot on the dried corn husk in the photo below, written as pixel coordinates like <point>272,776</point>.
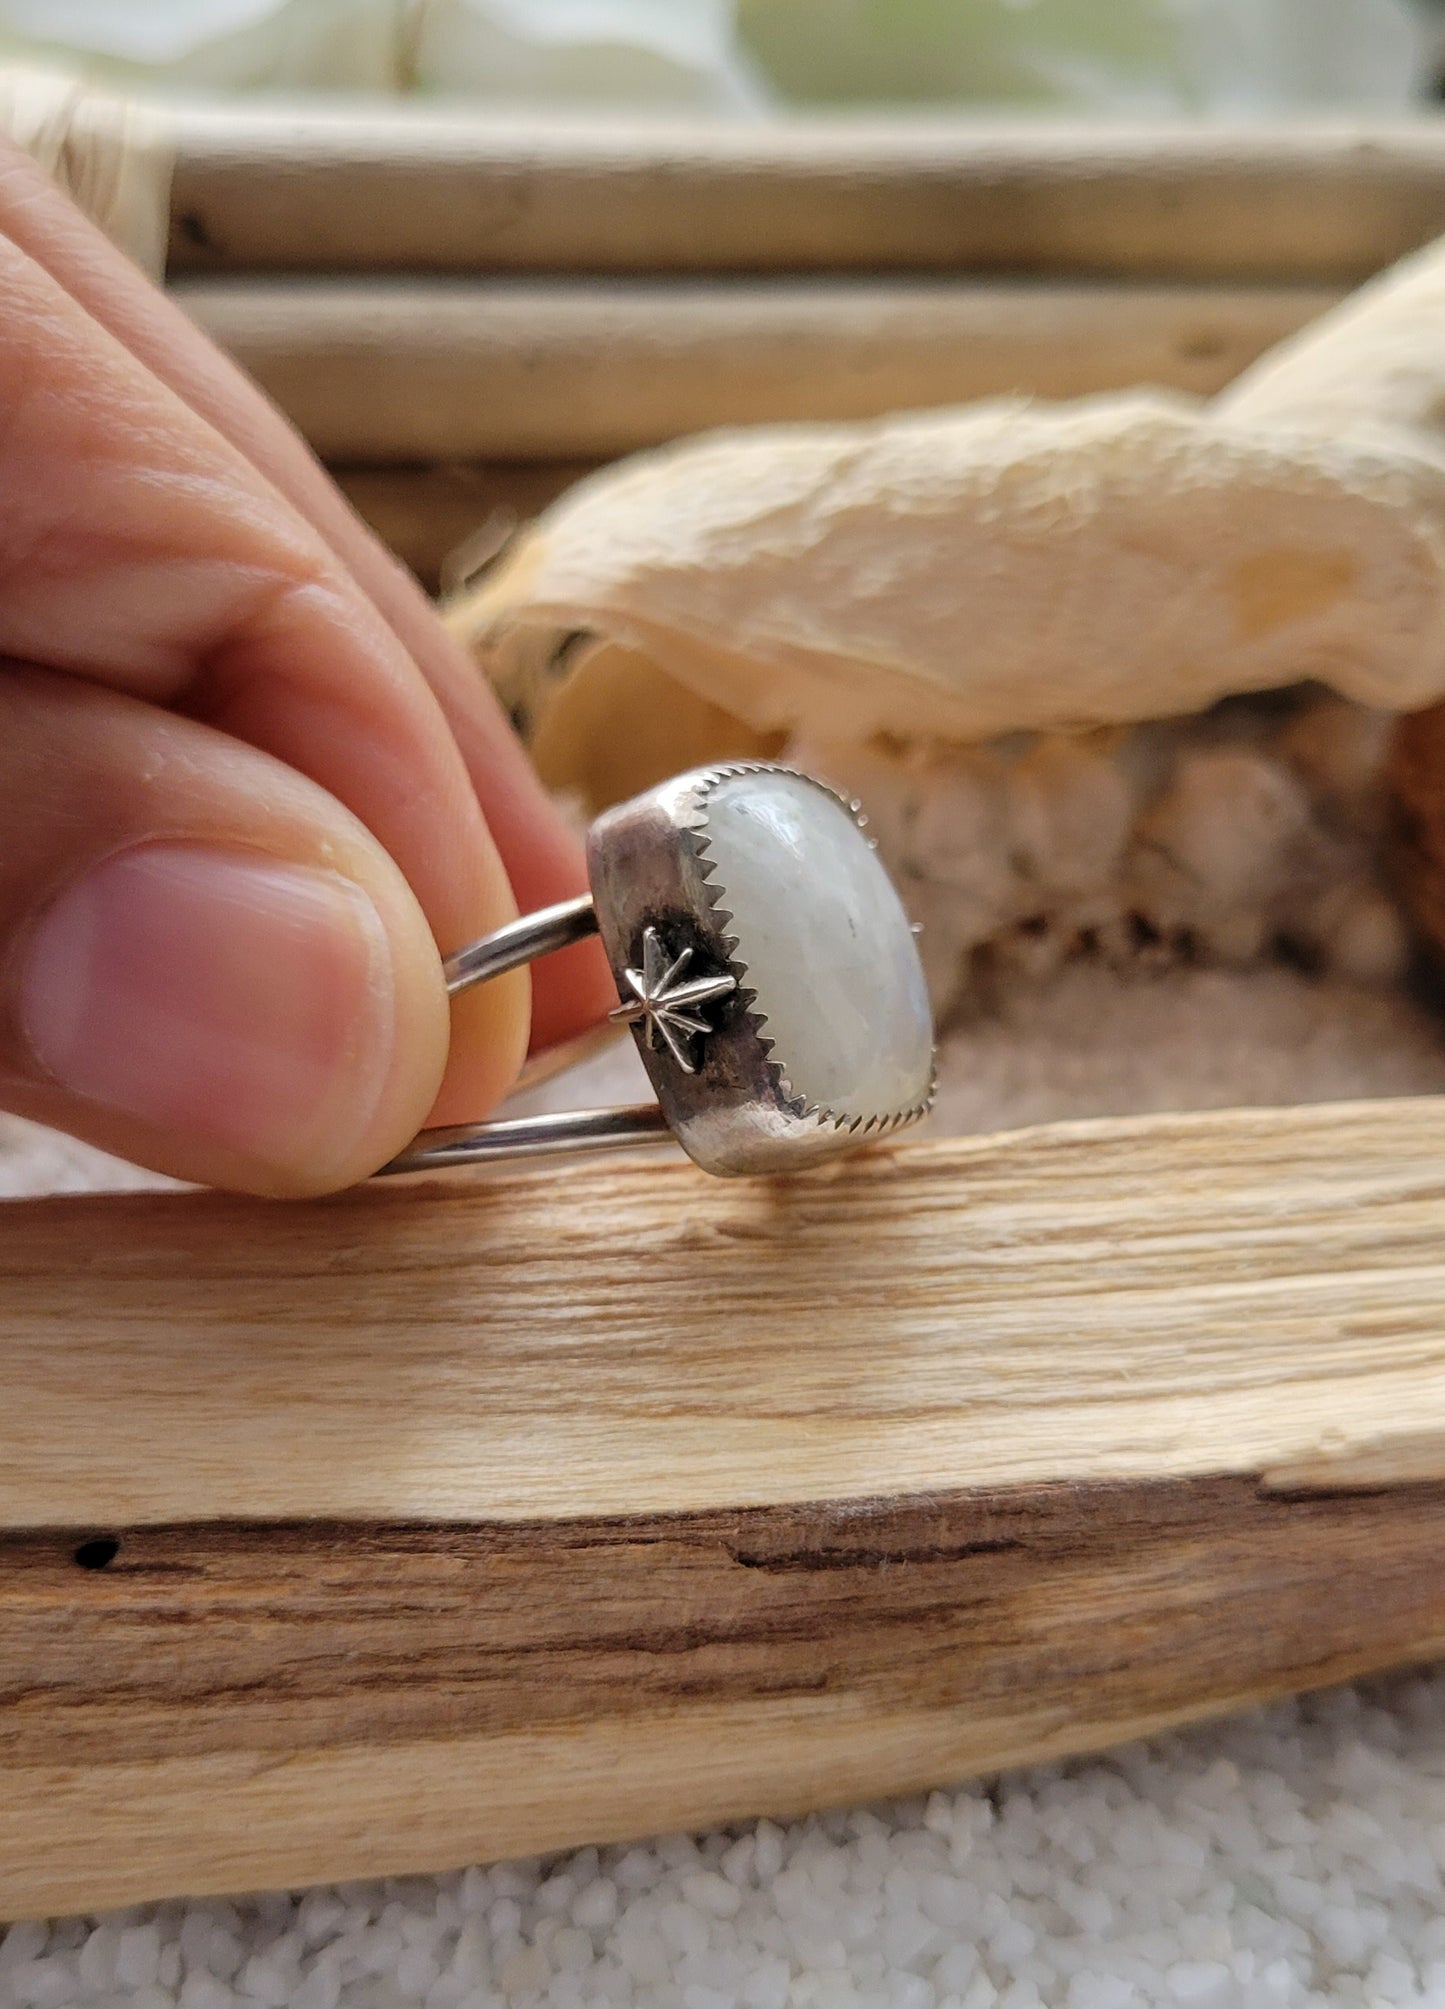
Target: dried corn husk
<point>1112,676</point>
<point>966,573</point>
<point>1375,361</point>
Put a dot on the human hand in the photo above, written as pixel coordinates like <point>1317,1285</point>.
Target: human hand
<point>248,784</point>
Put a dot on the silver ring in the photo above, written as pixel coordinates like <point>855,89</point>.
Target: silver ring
<point>764,963</point>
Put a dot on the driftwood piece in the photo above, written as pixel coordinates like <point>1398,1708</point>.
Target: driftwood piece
<point>422,1525</point>
<point>408,191</point>
<point>541,369</point>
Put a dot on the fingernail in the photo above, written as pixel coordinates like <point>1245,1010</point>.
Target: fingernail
<point>219,996</point>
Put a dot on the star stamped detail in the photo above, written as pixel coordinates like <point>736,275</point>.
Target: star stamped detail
<point>666,1003</point>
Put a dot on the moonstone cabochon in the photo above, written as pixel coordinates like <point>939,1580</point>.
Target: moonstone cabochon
<point>824,943</point>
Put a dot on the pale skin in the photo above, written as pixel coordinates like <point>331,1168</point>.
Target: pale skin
<point>251,792</point>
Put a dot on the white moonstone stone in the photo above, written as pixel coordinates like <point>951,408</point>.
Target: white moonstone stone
<point>826,942</point>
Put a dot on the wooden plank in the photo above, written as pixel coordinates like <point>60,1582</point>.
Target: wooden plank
<point>424,190</point>
<point>511,369</point>
<point>230,1706</point>
<point>486,1516</point>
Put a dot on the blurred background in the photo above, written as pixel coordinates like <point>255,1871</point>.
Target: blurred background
<point>752,59</point>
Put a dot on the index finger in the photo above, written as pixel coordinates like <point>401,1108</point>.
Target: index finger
<point>543,858</point>
<point>141,549</point>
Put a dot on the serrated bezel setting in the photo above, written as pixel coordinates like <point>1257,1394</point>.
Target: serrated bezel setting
<point>652,868</point>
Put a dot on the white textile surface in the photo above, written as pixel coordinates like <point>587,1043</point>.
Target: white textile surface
<point>1291,1858</point>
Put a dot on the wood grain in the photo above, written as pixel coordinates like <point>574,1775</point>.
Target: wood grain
<point>521,370</point>
<point>798,1643</point>
<point>495,1515</point>
<point>410,191</point>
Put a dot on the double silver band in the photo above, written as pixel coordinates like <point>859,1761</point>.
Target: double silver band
<point>522,941</point>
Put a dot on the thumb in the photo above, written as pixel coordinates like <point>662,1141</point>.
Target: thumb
<point>207,964</point>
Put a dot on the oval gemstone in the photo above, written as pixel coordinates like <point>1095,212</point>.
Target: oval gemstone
<point>826,944</point>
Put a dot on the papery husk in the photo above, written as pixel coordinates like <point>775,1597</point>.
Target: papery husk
<point>960,574</point>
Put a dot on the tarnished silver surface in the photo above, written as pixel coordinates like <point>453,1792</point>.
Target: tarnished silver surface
<point>683,989</point>
<point>666,999</point>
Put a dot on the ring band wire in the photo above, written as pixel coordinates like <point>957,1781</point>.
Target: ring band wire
<point>523,941</point>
